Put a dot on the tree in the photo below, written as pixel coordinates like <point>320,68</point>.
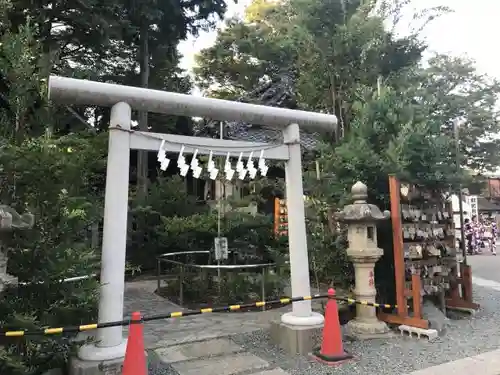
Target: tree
<point>71,33</point>
<point>337,49</point>
<point>23,69</point>
<point>332,46</point>
<point>58,186</point>
<point>389,135</point>
<point>157,26</point>
<point>452,92</point>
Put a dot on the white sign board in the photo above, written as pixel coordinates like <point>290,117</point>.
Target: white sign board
<point>221,249</point>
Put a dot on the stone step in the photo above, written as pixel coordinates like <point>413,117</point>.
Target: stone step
<point>229,364</point>
<point>214,357</point>
<point>195,350</point>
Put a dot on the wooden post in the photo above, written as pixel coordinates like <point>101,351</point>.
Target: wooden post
<point>466,276</point>
<point>397,238</point>
<point>454,291</point>
<point>416,286</point>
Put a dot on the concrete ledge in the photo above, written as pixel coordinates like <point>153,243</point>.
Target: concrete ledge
<point>295,339</point>
<point>484,364</point>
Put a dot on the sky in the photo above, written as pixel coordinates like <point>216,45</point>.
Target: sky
<point>471,30</point>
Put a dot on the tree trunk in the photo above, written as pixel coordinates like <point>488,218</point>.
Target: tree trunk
<point>142,156</point>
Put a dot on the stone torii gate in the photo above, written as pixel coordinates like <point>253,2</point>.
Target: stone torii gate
<point>110,344</point>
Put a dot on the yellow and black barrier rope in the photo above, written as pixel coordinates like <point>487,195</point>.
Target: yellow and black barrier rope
<point>366,303</point>
<point>179,314</point>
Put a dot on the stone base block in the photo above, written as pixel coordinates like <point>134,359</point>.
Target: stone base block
<point>375,329</point>
<point>81,367</point>
<point>431,334</point>
<point>295,339</point>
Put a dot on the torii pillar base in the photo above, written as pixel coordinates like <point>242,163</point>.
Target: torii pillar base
<point>93,360</point>
<point>299,338</point>
<point>109,367</point>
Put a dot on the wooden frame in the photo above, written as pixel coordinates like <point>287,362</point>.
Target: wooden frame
<point>454,299</point>
<point>464,283</point>
<point>402,294</point>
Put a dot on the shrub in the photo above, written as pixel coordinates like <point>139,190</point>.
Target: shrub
<point>59,182</point>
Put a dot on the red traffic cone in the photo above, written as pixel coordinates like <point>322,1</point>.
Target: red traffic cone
<point>135,356</point>
<point>332,349</point>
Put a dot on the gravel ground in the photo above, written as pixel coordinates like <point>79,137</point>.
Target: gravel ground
<point>155,367</point>
<point>399,355</point>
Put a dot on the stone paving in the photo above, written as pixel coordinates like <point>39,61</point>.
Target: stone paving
<point>200,343</point>
<point>161,333</point>
<point>215,357</point>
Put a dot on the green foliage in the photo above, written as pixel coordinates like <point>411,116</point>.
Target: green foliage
<point>242,287</point>
<point>23,69</point>
<point>169,220</point>
<point>234,287</point>
<point>329,263</point>
<point>166,223</point>
<point>339,49</point>
<point>451,91</point>
<point>197,232</point>
<point>166,198</point>
<point>60,182</point>
<point>389,135</point>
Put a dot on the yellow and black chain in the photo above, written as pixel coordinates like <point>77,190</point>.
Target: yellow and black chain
<point>179,314</point>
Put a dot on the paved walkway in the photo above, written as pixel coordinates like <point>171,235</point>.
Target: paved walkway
<point>200,343</point>
<point>485,265</point>
<point>219,356</point>
<point>484,364</point>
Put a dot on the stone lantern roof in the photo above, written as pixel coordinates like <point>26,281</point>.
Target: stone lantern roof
<point>360,210</point>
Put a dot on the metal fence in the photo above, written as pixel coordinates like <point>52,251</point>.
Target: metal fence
<point>263,268</point>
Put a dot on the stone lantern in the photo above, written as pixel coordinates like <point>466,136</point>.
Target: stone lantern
<point>11,220</point>
<point>361,219</point>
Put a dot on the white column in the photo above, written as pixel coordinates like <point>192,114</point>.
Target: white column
<point>301,314</point>
<point>109,341</point>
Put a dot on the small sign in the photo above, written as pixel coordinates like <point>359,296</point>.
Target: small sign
<point>221,248</point>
